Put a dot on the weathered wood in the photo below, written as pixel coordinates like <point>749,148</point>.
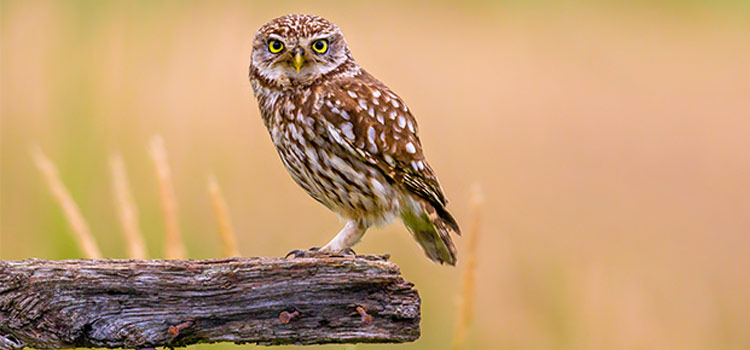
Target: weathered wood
<point>150,303</point>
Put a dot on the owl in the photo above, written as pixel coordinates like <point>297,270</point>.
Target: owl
<point>348,140</point>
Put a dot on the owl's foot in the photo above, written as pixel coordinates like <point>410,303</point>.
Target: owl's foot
<point>298,253</point>
<point>316,252</point>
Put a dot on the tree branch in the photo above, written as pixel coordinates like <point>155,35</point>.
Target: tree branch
<point>150,303</point>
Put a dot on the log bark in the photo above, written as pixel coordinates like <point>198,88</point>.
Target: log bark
<point>174,303</point>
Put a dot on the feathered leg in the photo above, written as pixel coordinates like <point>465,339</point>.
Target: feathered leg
<point>347,237</point>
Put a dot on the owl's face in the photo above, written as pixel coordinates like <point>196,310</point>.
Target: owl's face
<point>297,49</point>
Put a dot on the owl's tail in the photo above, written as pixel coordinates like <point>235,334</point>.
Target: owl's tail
<point>431,227</point>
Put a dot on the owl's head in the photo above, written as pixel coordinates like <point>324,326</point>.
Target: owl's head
<point>297,49</point>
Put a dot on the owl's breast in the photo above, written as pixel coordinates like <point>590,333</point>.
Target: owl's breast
<point>332,176</point>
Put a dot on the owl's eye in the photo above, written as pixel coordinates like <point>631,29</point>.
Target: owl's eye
<point>320,45</point>
<point>275,46</point>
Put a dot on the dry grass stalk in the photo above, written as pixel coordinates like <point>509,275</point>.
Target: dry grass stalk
<point>466,297</point>
<point>72,213</point>
<point>221,210</point>
<point>174,248</point>
<point>127,210</point>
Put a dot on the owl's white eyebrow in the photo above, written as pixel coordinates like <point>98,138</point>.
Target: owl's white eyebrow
<point>275,37</point>
<point>325,36</point>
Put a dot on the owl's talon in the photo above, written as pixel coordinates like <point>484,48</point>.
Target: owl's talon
<point>295,252</point>
<point>313,252</point>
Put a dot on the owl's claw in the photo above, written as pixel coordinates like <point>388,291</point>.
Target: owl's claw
<point>315,252</point>
<point>295,252</point>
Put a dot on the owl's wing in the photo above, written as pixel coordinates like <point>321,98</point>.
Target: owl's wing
<point>370,121</point>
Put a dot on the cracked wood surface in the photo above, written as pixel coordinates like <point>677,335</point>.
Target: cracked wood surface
<point>149,303</point>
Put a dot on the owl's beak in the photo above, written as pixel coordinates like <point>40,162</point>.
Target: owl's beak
<point>298,61</point>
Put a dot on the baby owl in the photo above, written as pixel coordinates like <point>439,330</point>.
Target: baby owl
<point>344,136</point>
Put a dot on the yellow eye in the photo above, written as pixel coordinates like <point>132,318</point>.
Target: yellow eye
<point>275,46</point>
<point>320,46</point>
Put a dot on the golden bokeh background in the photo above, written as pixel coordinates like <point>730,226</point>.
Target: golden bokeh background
<point>611,141</point>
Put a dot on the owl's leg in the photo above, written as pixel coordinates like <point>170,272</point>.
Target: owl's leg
<point>347,237</point>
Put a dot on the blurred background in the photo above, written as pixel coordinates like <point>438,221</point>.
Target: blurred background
<point>611,141</point>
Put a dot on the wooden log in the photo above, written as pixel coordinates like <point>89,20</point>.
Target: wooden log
<point>153,303</point>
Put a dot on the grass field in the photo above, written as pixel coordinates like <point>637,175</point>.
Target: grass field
<point>611,143</point>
